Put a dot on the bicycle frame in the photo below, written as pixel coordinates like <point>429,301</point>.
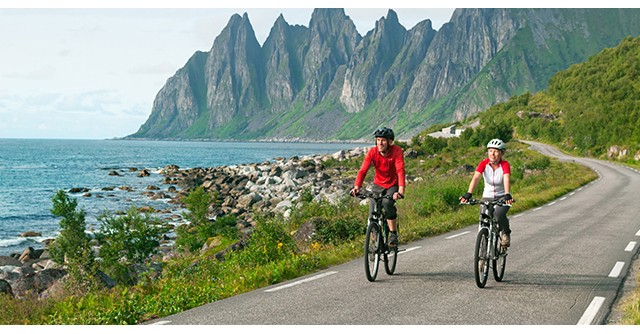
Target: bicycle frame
<point>488,222</point>
<point>376,248</point>
<point>377,216</point>
<point>488,248</point>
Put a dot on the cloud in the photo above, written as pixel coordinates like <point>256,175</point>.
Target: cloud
<point>64,52</point>
<point>41,73</point>
<point>91,115</point>
<point>162,68</point>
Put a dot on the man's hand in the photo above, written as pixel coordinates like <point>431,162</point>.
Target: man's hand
<point>355,191</point>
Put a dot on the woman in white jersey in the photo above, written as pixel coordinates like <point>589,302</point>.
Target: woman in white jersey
<point>496,173</point>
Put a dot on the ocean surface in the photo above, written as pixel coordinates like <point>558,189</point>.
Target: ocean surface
<point>32,171</point>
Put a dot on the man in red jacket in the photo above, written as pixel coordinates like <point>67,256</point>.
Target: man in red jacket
<point>389,179</point>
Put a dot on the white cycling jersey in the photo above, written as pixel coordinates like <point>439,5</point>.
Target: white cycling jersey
<point>493,179</point>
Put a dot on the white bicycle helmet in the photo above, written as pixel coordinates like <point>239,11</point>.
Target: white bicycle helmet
<point>497,143</point>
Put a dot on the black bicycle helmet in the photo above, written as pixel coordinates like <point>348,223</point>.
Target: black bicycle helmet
<point>384,133</point>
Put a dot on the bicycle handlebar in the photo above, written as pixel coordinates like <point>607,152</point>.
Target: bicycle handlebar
<point>370,194</point>
<point>499,202</point>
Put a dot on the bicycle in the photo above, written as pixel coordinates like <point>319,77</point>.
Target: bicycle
<point>488,248</point>
<point>376,242</point>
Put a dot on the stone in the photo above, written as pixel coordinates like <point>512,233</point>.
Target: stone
<point>30,234</point>
<point>5,288</point>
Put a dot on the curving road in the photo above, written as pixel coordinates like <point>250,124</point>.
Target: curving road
<point>566,266</point>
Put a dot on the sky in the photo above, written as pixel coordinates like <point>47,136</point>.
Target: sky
<point>77,72</point>
<point>93,73</point>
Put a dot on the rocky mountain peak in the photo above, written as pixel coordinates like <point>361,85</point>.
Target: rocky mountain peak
<point>326,81</point>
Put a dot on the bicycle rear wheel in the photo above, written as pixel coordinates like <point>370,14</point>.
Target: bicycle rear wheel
<point>372,244</point>
<point>500,263</point>
<point>480,259</point>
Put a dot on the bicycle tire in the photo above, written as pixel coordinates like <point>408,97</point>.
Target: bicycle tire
<point>500,263</point>
<point>372,244</point>
<point>390,261</point>
<point>390,256</point>
<point>480,259</point>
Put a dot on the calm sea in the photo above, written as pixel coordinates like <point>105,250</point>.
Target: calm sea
<point>33,170</point>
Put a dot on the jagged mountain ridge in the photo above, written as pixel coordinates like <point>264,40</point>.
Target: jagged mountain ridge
<point>326,81</point>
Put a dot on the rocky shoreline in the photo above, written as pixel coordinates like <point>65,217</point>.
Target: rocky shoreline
<point>243,190</point>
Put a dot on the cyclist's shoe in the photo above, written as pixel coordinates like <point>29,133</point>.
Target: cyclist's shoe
<point>506,240</point>
<point>393,240</point>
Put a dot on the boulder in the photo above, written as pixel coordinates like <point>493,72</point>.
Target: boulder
<point>304,235</point>
<point>5,288</point>
<point>30,234</point>
<point>246,201</point>
<point>9,261</point>
<point>36,282</point>
<point>28,255</point>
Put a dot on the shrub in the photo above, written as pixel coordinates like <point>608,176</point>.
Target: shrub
<point>269,242</point>
<point>339,230</point>
<point>539,163</point>
<point>126,241</point>
<point>192,236</point>
<point>72,240</point>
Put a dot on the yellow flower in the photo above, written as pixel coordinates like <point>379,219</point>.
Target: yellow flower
<point>280,245</point>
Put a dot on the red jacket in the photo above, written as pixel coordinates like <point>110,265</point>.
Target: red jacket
<point>389,169</point>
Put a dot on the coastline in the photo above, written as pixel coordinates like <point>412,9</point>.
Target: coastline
<point>245,190</point>
<point>88,165</point>
<point>264,140</point>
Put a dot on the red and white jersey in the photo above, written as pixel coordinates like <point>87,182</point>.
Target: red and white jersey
<point>493,179</point>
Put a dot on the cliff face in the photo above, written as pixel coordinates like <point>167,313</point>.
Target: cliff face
<point>328,82</point>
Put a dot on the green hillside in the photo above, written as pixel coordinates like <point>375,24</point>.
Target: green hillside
<point>589,109</point>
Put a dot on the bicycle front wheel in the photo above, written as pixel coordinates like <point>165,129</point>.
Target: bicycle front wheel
<point>390,260</point>
<point>481,259</point>
<point>500,262</point>
<point>372,244</point>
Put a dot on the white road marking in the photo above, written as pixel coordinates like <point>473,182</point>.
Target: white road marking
<point>591,311</point>
<point>617,269</point>
<point>457,235</point>
<point>630,246</point>
<point>409,249</point>
<point>312,278</point>
<point>518,215</point>
<point>562,199</point>
<point>536,209</point>
<point>638,233</point>
<point>552,203</point>
<point>164,322</point>
<point>572,193</point>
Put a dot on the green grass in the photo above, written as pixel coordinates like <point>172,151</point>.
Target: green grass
<point>271,255</point>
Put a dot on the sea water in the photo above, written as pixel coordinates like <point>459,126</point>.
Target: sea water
<point>32,171</point>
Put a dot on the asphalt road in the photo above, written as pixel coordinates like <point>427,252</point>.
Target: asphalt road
<point>566,266</point>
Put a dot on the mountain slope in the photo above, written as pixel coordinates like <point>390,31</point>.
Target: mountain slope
<point>328,82</point>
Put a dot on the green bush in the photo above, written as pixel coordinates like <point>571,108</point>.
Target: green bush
<point>126,241</point>
<point>192,236</point>
<point>197,204</point>
<point>269,242</point>
<point>71,242</point>
<point>339,230</point>
<point>538,163</point>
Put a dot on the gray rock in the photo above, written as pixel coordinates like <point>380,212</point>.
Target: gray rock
<point>9,261</point>
<point>5,288</point>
